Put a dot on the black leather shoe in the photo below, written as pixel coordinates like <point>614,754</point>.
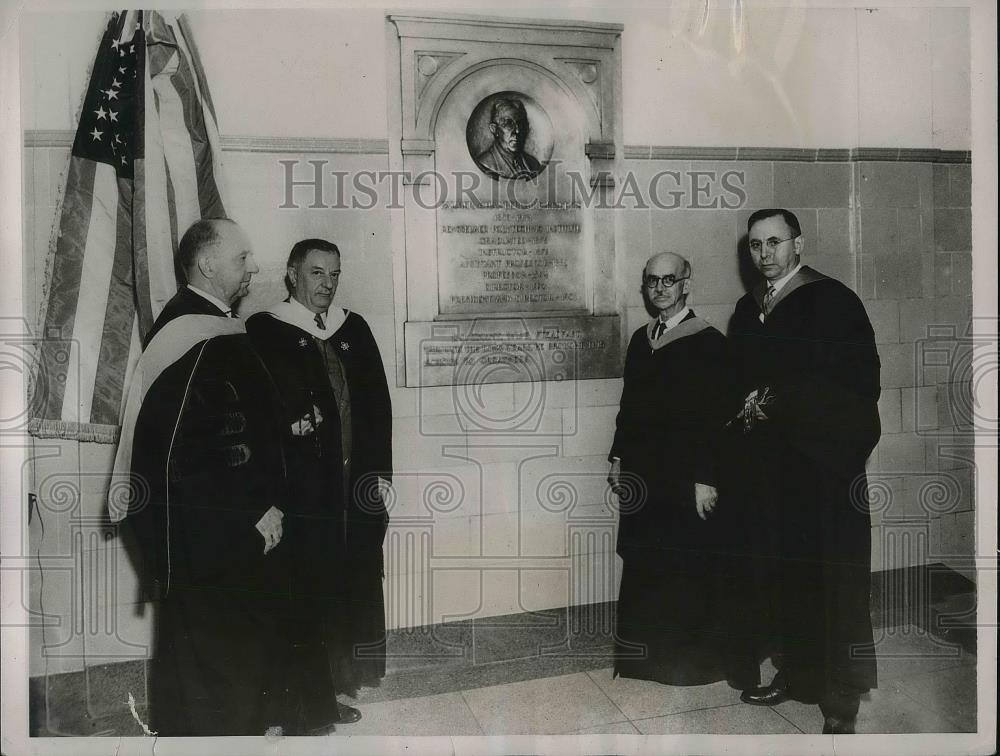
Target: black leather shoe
<point>834,726</point>
<point>767,695</point>
<point>348,714</point>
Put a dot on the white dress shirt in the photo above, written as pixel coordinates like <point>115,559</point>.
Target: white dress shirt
<point>213,299</point>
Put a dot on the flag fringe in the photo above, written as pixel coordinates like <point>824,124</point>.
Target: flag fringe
<point>71,431</point>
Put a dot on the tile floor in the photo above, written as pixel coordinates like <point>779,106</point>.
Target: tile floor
<point>924,687</point>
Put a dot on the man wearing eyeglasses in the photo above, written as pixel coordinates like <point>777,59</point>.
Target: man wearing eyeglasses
<point>506,157</point>
<point>674,607</point>
<point>810,375</point>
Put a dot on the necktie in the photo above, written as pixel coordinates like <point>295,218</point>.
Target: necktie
<point>658,329</point>
<point>319,322</point>
<point>769,300</point>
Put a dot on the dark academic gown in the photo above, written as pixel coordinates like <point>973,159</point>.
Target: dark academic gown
<point>816,354</point>
<point>679,588</point>
<point>207,463</point>
<point>335,472</point>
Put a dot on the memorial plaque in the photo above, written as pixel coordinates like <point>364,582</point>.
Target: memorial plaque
<point>504,260</point>
<point>507,132</point>
<point>509,350</point>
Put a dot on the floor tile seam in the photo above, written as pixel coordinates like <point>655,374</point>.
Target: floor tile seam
<point>775,710</point>
<point>461,693</point>
<point>497,665</point>
<point>600,724</point>
<point>624,716</point>
<point>688,711</point>
<point>603,693</point>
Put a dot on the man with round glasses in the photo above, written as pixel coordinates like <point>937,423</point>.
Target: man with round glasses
<point>675,607</point>
<point>506,157</point>
<point>810,380</point>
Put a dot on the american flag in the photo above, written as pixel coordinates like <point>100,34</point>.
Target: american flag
<point>144,166</point>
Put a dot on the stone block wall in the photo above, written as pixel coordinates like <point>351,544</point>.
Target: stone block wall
<point>500,504</point>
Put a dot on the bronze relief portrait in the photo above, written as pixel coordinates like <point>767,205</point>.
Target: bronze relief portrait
<point>509,136</point>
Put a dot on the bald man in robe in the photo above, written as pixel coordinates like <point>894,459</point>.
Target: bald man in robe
<point>201,444</point>
<point>676,602</point>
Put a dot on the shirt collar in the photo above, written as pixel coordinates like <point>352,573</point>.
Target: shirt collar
<point>780,283</point>
<point>674,319</point>
<point>213,299</point>
<point>305,310</point>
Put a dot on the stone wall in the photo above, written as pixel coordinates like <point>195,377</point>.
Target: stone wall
<point>496,518</point>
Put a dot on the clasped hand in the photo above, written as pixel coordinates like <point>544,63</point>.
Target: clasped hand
<point>705,496</point>
<point>269,526</point>
<point>753,408</point>
<point>308,423</point>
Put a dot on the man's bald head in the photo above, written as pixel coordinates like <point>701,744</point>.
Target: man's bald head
<point>215,256</point>
<point>200,238</point>
<point>668,260</point>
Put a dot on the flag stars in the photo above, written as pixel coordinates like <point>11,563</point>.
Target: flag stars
<point>102,114</point>
<point>113,115</point>
<point>121,70</point>
<point>112,94</point>
<point>115,44</point>
<point>116,84</point>
<point>96,134</point>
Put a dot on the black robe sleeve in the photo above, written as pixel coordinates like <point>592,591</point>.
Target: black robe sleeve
<point>718,397</point>
<point>371,405</point>
<point>630,404</point>
<point>209,461</point>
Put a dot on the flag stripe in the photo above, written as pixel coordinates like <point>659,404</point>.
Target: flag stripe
<point>92,301</point>
<point>64,286</point>
<point>160,225</point>
<point>171,214</point>
<point>186,39</point>
<point>198,130</point>
<point>140,263</point>
<point>135,350</point>
<point>181,171</point>
<point>118,316</point>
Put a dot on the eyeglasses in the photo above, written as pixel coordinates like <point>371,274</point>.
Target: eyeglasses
<point>771,244</point>
<point>651,282</point>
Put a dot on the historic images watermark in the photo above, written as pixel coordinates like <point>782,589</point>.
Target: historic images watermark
<point>315,184</point>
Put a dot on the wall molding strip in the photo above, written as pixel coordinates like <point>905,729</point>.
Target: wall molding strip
<point>61,138</point>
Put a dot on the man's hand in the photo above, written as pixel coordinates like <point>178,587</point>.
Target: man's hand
<point>270,527</point>
<point>383,489</point>
<point>305,425</point>
<point>615,475</point>
<point>705,497</point>
<point>752,408</point>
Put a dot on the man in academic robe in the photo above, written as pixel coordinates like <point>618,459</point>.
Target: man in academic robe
<point>200,444</point>
<point>676,601</point>
<point>338,428</point>
<point>810,375</point>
